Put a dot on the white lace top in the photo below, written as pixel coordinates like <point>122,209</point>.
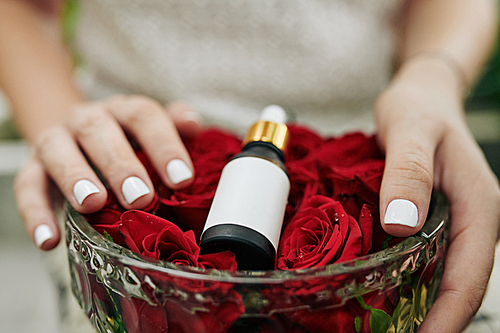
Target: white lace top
<point>325,61</point>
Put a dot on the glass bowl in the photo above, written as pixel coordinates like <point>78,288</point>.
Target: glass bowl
<point>388,291</point>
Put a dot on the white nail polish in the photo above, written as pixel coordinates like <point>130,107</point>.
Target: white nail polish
<point>82,189</point>
<point>178,171</point>
<point>402,212</point>
<point>133,188</point>
<point>42,234</point>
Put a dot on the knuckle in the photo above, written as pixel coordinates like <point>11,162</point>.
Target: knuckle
<point>141,109</point>
<point>86,120</point>
<point>113,164</point>
<point>48,138</point>
<point>22,187</point>
<point>20,182</point>
<point>117,99</point>
<point>415,167</point>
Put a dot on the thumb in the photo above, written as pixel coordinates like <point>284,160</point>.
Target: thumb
<point>407,180</point>
<point>188,122</point>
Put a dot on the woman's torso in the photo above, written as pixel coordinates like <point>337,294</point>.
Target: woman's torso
<point>323,60</point>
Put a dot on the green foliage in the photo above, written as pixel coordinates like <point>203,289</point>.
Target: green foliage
<point>357,324</point>
<point>8,130</point>
<point>379,319</point>
<point>69,23</point>
<point>70,19</point>
<point>108,236</point>
<point>387,240</point>
<point>487,91</point>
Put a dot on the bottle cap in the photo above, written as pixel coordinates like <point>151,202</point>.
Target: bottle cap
<point>274,114</point>
<point>269,128</point>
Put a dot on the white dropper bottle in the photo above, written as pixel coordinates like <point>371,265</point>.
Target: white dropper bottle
<point>247,212</point>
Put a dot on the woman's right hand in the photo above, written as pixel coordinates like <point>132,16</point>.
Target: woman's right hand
<point>97,132</point>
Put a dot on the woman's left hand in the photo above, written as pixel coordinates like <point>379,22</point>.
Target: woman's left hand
<point>428,146</point>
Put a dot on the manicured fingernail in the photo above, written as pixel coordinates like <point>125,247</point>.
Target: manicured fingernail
<point>42,234</point>
<point>178,171</point>
<point>402,212</point>
<point>133,188</point>
<point>82,189</point>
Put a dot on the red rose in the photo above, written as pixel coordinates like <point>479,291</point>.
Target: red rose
<point>107,220</point>
<point>158,238</point>
<point>181,315</point>
<point>302,142</point>
<point>348,150</point>
<point>329,311</point>
<point>304,183</point>
<point>141,317</point>
<point>319,234</point>
<point>353,186</point>
<point>338,320</point>
<point>206,317</point>
<point>218,143</point>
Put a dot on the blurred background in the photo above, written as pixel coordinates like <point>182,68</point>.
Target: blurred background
<point>28,298</point>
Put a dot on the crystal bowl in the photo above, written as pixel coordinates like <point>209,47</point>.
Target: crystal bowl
<point>388,291</point>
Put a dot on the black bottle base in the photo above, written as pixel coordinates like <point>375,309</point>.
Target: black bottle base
<point>253,251</point>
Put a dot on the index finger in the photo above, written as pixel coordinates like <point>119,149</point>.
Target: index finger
<point>155,131</point>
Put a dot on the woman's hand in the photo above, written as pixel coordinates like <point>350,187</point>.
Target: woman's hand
<point>428,145</point>
<point>97,132</point>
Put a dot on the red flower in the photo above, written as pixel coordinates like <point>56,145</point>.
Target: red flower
<point>350,149</point>
<point>302,142</point>
<point>339,320</point>
<point>320,233</point>
<point>205,317</point>
<point>332,216</point>
<point>141,317</point>
<point>158,238</point>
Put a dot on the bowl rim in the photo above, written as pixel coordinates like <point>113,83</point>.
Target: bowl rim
<point>435,223</point>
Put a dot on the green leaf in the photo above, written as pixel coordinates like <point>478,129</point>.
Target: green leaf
<point>363,304</point>
<point>357,324</point>
<point>379,321</point>
<point>387,240</point>
<point>359,262</point>
<point>108,236</point>
<point>395,315</point>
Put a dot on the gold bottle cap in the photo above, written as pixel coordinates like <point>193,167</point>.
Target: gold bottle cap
<point>267,131</point>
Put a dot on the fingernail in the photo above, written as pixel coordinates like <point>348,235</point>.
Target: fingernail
<point>42,234</point>
<point>178,171</point>
<point>133,188</point>
<point>402,212</point>
<point>82,189</point>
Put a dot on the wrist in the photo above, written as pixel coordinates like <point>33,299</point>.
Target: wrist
<point>425,92</point>
<point>437,71</point>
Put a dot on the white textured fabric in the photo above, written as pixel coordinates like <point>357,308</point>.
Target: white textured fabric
<point>325,61</point>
